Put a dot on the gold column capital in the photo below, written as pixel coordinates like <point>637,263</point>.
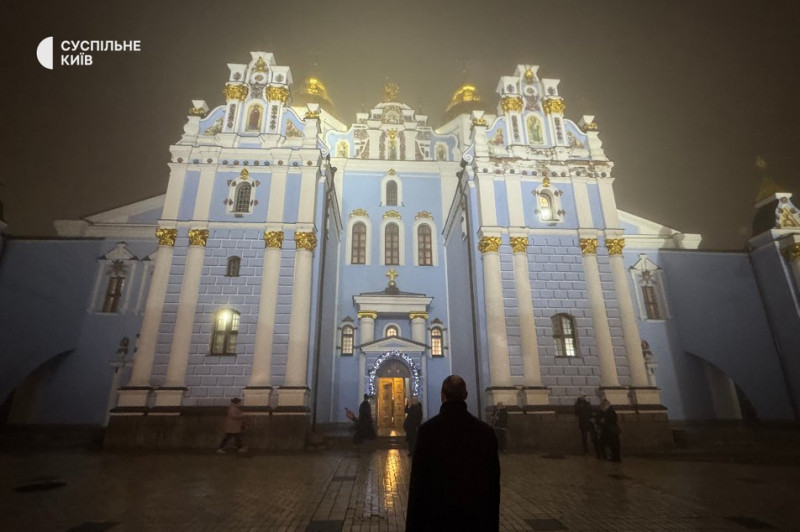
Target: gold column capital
<point>166,237</point>
<point>414,315</point>
<point>615,245</point>
<point>511,104</point>
<point>305,240</point>
<point>554,106</point>
<point>792,253</point>
<point>273,239</point>
<point>280,94</point>
<point>588,246</point>
<point>519,244</point>
<point>235,91</point>
<point>489,244</point>
<point>198,237</point>
<point>367,314</point>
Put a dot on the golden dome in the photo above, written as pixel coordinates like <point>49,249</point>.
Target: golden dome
<point>465,100</point>
<point>313,91</point>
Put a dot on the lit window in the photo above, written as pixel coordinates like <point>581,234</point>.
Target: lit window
<point>243,193</point>
<point>226,329</point>
<point>233,267</point>
<point>359,244</point>
<point>424,246</point>
<point>347,340</point>
<point>436,342</point>
<point>545,207</point>
<point>564,335</point>
<point>391,330</point>
<point>392,243</point>
<point>113,293</point>
<point>391,193</point>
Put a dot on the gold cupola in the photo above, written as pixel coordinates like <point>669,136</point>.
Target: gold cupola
<point>465,100</point>
<point>313,91</point>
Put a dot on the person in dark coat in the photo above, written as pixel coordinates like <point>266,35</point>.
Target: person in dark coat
<point>365,430</point>
<point>500,421</point>
<point>455,472</point>
<point>609,430</point>
<point>583,411</point>
<point>412,423</point>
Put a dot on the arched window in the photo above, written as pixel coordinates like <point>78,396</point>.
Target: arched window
<point>391,193</point>
<point>254,118</point>
<point>347,340</point>
<point>545,207</point>
<point>392,244</point>
<point>226,329</point>
<point>392,330</point>
<point>424,245</point>
<point>358,245</point>
<point>233,267</point>
<point>436,342</point>
<point>113,292</point>
<point>243,193</point>
<point>564,335</point>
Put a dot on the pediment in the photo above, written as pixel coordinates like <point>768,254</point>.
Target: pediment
<point>394,343</point>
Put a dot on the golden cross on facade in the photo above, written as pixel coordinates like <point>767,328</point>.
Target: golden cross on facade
<point>392,275</point>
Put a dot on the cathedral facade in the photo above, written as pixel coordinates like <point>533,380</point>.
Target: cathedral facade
<point>301,262</point>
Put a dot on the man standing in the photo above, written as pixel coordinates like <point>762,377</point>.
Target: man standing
<point>583,411</point>
<point>455,472</point>
<point>365,430</point>
<point>412,423</point>
<point>609,430</point>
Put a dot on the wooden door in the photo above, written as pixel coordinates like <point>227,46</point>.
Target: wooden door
<point>391,402</point>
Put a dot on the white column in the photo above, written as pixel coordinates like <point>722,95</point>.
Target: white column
<point>500,387</point>
<point>257,392</point>
<point>366,326</point>
<point>136,392</point>
<point>172,392</point>
<point>633,342</point>
<point>294,392</point>
<point>535,393</point>
<point>418,320</point>
<point>602,333</point>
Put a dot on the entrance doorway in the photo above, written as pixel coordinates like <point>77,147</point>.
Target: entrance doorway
<point>393,377</point>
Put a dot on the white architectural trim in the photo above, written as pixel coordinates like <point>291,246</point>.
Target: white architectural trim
<point>391,177</point>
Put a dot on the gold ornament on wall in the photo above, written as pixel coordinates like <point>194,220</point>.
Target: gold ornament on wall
<point>413,315</point>
<point>489,244</point>
<point>588,246</point>
<point>198,111</point>
<point>359,212</point>
<point>391,214</point>
<point>423,214</point>
<point>519,244</point>
<point>198,237</point>
<point>280,94</point>
<point>589,126</point>
<point>367,314</point>
<point>478,122</point>
<point>166,237</point>
<point>615,245</point>
<point>273,239</point>
<point>305,240</point>
<point>235,92</point>
<point>792,253</point>
<point>554,106</point>
<point>511,104</point>
<point>260,66</point>
<point>244,174</point>
<point>312,114</point>
<point>391,171</point>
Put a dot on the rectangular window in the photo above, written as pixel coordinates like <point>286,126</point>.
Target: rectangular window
<point>113,294</point>
<point>392,253</point>
<point>651,303</point>
<point>564,335</point>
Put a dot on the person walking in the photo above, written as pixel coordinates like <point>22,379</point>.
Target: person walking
<point>233,427</point>
<point>609,431</point>
<point>455,473</point>
<point>500,420</point>
<point>365,430</point>
<point>583,411</point>
<point>412,422</point>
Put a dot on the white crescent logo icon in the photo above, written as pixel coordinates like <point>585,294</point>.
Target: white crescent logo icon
<point>44,53</point>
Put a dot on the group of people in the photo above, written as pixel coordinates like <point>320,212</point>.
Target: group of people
<point>600,427</point>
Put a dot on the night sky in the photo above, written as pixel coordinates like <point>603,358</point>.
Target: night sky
<point>686,94</point>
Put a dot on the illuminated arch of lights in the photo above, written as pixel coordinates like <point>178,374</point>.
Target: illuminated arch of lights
<point>372,372</point>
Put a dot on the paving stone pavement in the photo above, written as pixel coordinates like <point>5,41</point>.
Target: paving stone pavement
<point>365,490</point>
